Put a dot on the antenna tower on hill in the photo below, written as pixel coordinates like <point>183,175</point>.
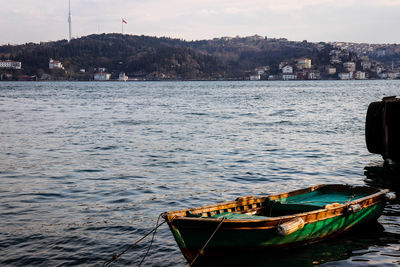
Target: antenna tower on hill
<point>69,20</point>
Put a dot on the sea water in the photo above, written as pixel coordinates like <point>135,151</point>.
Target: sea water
<point>87,167</point>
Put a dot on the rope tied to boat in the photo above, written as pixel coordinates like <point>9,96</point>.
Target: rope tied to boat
<point>117,256</point>
<point>201,251</point>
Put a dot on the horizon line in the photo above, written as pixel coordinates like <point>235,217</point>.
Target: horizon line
<point>194,40</point>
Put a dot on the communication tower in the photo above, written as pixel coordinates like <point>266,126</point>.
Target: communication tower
<point>69,20</point>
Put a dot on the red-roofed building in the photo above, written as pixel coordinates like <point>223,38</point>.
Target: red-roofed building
<point>55,64</point>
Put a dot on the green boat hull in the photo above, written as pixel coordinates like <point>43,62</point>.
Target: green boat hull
<point>191,240</point>
<point>281,220</point>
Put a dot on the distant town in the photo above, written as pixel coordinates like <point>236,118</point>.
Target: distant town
<point>124,57</point>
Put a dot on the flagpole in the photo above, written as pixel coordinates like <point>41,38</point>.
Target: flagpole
<point>123,21</point>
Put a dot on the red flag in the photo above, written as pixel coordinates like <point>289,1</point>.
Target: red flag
<point>124,21</point>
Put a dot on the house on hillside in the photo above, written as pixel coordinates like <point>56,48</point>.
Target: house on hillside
<point>283,64</point>
<point>330,70</point>
<point>349,66</point>
<point>55,64</point>
<point>335,60</point>
<point>366,64</point>
<point>303,63</point>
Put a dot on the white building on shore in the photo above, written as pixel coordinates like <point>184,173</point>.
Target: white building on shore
<point>255,77</point>
<point>344,76</point>
<point>9,64</point>
<point>122,77</point>
<point>287,73</point>
<point>102,76</point>
<point>359,75</point>
<point>288,76</point>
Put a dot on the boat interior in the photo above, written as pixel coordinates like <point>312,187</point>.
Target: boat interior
<point>300,201</point>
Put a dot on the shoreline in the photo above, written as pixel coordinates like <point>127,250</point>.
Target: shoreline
<point>197,80</point>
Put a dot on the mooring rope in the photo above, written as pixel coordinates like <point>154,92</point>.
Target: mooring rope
<point>151,242</point>
<point>117,256</point>
<point>201,251</point>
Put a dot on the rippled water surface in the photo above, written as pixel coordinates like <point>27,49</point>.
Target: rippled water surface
<point>86,168</point>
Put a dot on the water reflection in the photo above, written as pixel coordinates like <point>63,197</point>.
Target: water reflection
<point>86,166</point>
<point>387,176</point>
<point>383,175</point>
<point>369,244</point>
<point>343,248</point>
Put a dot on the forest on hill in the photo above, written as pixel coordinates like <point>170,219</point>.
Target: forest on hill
<point>153,58</point>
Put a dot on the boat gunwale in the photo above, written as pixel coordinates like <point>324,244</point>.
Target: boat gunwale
<point>271,222</point>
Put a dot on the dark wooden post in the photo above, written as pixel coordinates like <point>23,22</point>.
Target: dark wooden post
<point>382,128</point>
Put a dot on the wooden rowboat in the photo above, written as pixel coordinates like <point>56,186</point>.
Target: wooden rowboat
<point>297,217</point>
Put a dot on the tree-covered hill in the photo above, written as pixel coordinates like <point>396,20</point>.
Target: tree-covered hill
<point>160,58</point>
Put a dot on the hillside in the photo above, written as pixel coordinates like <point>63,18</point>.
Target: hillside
<point>153,58</point>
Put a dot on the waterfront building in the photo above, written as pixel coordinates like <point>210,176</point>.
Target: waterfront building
<point>122,77</point>
<point>255,77</point>
<point>344,76</point>
<point>359,75</point>
<point>392,75</point>
<point>10,64</point>
<point>288,76</point>
<point>102,76</point>
<point>378,69</point>
<point>287,69</point>
<point>261,70</point>
<point>313,75</point>
<point>101,69</point>
<point>301,75</point>
<point>26,78</point>
<point>5,76</point>
<point>383,75</point>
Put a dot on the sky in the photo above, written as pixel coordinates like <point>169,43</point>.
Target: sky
<point>361,21</point>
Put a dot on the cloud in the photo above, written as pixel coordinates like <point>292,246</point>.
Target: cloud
<point>29,20</point>
<point>392,3</point>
